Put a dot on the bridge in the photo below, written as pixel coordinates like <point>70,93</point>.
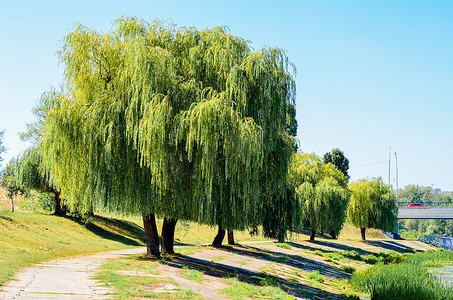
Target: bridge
<point>433,210</point>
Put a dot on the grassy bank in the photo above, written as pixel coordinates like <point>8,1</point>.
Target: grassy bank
<point>28,238</point>
<point>413,278</point>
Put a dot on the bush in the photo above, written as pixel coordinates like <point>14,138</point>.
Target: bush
<point>315,276</point>
<point>38,202</point>
<point>334,255</point>
<point>352,254</point>
<point>371,259</point>
<point>348,269</point>
<point>318,252</point>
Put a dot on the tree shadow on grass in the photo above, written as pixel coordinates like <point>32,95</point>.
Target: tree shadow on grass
<point>392,245</point>
<point>121,231</point>
<point>336,246</point>
<point>290,260</point>
<point>220,270</point>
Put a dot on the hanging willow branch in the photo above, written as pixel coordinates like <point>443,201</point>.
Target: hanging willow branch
<point>180,122</point>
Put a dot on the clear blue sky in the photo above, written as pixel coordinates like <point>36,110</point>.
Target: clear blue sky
<point>370,74</point>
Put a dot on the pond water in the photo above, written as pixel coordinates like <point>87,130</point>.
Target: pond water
<point>445,274</point>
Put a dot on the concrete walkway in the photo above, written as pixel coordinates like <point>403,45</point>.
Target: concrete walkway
<point>68,278</point>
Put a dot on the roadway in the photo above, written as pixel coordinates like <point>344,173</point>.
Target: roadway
<point>425,213</point>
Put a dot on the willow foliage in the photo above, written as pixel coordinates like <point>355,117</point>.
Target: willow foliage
<point>372,205</point>
<point>179,122</point>
<point>321,191</point>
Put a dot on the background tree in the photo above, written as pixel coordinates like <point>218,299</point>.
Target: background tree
<point>32,175</point>
<point>416,193</point>
<point>9,181</point>
<point>173,122</point>
<point>337,158</point>
<point>322,193</point>
<point>372,205</point>
<point>33,172</point>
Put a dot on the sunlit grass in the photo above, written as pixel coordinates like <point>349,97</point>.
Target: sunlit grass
<point>243,290</point>
<point>28,238</point>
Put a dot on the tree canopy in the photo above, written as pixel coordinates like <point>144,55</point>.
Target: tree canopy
<point>321,191</point>
<point>372,205</point>
<point>177,122</point>
<point>337,158</point>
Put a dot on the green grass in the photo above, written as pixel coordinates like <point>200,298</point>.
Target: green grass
<point>219,258</point>
<point>283,245</point>
<point>144,283</point>
<point>315,276</point>
<point>347,269</point>
<point>29,238</point>
<point>134,286</point>
<point>410,279</point>
<point>239,290</point>
<point>192,274</point>
<point>133,263</point>
<point>334,255</point>
<point>352,255</point>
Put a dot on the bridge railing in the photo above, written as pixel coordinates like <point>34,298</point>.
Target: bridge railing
<point>429,204</point>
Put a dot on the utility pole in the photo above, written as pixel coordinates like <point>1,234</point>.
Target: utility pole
<point>390,153</point>
<point>396,162</point>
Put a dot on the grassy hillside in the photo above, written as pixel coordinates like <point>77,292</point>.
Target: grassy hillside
<point>27,238</point>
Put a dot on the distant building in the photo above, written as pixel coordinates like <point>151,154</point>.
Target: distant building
<point>438,191</point>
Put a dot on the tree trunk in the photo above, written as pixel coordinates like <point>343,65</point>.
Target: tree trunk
<point>362,232</point>
<point>12,205</point>
<point>312,236</point>
<point>281,236</point>
<point>152,238</point>
<point>168,235</point>
<point>333,235</point>
<point>60,208</point>
<point>219,237</point>
<point>231,237</point>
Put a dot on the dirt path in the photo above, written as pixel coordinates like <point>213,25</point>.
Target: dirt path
<point>68,278</point>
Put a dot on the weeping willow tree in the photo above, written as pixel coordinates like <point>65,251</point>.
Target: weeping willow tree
<point>32,172</point>
<point>175,122</point>
<point>322,194</point>
<point>33,175</point>
<point>372,205</point>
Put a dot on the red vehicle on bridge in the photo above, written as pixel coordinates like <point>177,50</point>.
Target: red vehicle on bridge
<point>416,205</point>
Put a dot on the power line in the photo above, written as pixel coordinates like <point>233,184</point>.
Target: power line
<point>370,164</point>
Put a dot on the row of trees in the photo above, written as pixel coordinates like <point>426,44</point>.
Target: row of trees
<point>180,123</point>
<point>326,199</point>
<point>174,122</point>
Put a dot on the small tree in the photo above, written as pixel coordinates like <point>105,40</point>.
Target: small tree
<point>372,205</point>
<point>322,194</point>
<point>32,175</point>
<point>10,181</point>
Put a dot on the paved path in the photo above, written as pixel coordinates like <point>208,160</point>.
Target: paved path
<point>68,278</point>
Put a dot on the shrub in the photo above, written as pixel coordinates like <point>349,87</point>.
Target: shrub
<point>315,276</point>
<point>370,259</point>
<point>348,269</point>
<point>334,255</point>
<point>318,252</point>
<point>352,254</point>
